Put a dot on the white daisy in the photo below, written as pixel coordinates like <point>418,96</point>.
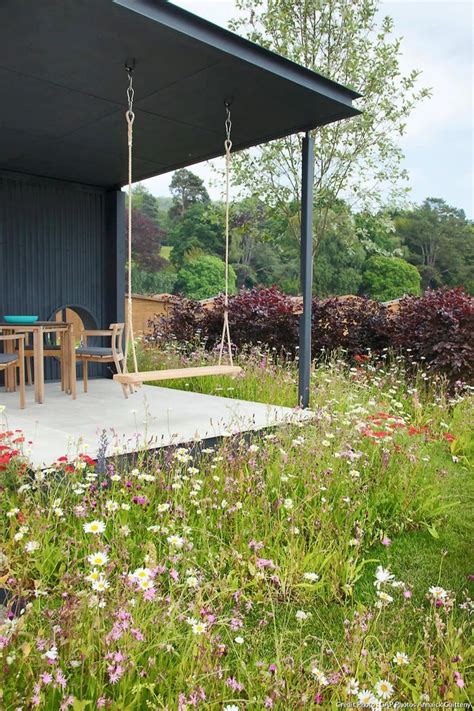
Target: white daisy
<point>320,676</point>
<point>366,698</point>
<point>176,541</point>
<point>437,593</point>
<point>382,575</point>
<point>400,659</point>
<point>94,527</point>
<point>199,627</point>
<point>100,585</point>
<point>352,687</point>
<point>98,559</point>
<point>384,689</point>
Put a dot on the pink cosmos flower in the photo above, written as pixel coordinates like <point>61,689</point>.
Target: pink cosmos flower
<point>386,541</point>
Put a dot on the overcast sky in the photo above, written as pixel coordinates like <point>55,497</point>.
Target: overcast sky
<point>438,145</point>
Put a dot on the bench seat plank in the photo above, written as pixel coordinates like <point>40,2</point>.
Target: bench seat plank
<point>174,373</point>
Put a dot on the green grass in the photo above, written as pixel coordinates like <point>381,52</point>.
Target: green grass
<point>165,251</point>
<point>253,517</point>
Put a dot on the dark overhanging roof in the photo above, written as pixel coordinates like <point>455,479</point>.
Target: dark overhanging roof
<point>63,82</point>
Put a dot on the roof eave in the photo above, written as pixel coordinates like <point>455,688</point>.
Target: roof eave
<point>180,20</point>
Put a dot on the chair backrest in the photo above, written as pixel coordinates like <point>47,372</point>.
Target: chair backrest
<point>117,330</point>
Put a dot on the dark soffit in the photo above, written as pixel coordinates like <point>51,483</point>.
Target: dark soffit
<point>63,82</point>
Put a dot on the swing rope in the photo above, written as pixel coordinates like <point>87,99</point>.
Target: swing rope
<point>225,326</point>
<point>130,116</point>
<point>127,379</point>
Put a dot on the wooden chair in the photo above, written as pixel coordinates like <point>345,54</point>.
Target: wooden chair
<point>50,350</point>
<point>13,361</point>
<point>87,353</point>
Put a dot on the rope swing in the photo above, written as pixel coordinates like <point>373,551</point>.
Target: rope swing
<point>130,117</point>
<point>135,378</point>
<point>228,157</point>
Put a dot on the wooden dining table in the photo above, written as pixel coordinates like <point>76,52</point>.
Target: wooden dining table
<point>67,353</point>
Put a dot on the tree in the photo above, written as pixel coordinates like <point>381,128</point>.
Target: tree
<point>339,255</point>
<point>151,283</point>
<point>200,230</point>
<point>440,241</point>
<point>204,277</point>
<point>187,189</point>
<point>256,251</point>
<point>143,200</point>
<point>146,242</point>
<point>345,41</point>
<point>387,278</point>
<point>377,233</point>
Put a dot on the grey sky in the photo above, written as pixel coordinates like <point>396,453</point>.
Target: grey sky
<point>438,145</point>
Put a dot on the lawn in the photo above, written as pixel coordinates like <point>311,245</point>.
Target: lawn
<point>165,251</point>
<point>306,566</point>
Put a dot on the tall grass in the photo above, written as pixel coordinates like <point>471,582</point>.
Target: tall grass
<point>248,576</point>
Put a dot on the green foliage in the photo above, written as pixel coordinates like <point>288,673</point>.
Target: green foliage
<point>388,278</point>
<point>203,277</point>
<point>339,255</point>
<point>440,241</point>
<point>198,231</point>
<point>143,200</point>
<point>187,189</point>
<point>258,251</point>
<point>377,233</point>
<point>150,283</point>
<point>349,41</point>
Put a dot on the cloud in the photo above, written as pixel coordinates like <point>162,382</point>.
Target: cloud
<point>436,40</point>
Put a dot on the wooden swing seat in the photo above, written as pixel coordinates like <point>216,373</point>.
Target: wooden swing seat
<point>175,373</point>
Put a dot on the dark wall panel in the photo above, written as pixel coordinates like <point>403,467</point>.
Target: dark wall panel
<point>52,248</point>
<point>60,245</point>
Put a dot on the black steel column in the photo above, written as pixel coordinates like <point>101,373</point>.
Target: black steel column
<point>306,269</point>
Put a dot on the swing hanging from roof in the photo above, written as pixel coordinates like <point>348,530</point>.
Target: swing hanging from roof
<point>129,380</point>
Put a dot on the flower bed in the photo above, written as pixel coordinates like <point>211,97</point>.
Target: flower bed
<point>307,566</point>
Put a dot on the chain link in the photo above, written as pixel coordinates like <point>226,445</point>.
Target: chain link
<point>228,129</point>
<point>130,96</point>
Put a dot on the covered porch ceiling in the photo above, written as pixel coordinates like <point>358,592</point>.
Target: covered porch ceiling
<point>63,84</point>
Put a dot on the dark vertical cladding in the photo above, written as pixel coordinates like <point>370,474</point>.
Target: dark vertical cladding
<point>56,246</point>
<point>115,256</point>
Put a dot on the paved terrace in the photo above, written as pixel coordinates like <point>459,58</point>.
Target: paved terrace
<point>153,417</point>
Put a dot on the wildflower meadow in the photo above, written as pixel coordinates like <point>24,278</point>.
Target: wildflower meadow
<point>307,566</point>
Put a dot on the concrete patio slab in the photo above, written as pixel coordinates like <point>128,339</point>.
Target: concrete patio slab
<point>153,417</point>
